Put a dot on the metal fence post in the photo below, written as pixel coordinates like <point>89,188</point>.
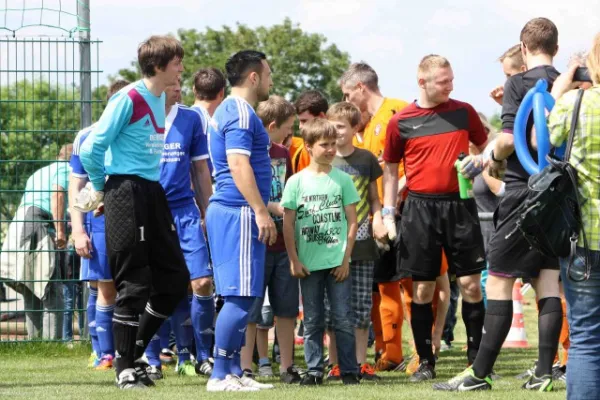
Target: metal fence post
<point>85,93</point>
<point>85,62</point>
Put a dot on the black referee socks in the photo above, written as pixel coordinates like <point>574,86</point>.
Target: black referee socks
<point>422,324</point>
<point>549,326</point>
<point>473,315</point>
<point>498,318</point>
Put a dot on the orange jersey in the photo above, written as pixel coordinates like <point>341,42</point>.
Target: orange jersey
<point>297,142</point>
<point>300,159</point>
<point>373,138</point>
<point>299,155</point>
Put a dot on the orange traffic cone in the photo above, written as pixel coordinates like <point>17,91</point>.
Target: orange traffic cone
<point>517,338</point>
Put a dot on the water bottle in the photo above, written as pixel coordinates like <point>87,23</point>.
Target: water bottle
<point>464,185</point>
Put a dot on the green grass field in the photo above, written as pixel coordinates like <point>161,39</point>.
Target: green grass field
<point>53,371</point>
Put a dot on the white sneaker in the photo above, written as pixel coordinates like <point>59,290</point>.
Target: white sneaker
<point>251,383</point>
<point>231,383</point>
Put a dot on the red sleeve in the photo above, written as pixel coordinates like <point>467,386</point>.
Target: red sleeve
<point>477,134</point>
<point>394,144</point>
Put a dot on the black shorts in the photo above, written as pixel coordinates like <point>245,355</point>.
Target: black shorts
<point>142,243</point>
<point>509,254</point>
<point>431,223</point>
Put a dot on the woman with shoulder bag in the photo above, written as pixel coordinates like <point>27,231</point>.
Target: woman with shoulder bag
<point>581,275</point>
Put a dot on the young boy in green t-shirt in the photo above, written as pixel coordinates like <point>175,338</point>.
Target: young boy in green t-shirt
<point>319,228</point>
<point>364,169</point>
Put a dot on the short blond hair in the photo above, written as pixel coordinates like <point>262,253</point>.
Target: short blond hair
<point>317,129</point>
<point>593,60</point>
<point>515,55</point>
<point>275,109</point>
<point>431,61</point>
<point>345,111</point>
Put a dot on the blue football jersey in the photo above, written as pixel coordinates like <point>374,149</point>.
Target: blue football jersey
<point>77,169</point>
<point>205,117</point>
<point>236,129</point>
<point>185,142</point>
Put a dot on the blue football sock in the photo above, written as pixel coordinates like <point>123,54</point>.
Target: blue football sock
<point>164,333</point>
<point>182,327</point>
<point>263,361</point>
<point>203,315</point>
<point>91,315</point>
<point>229,334</point>
<point>104,315</point>
<point>153,351</point>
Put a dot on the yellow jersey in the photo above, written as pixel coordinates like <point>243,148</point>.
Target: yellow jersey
<point>373,138</point>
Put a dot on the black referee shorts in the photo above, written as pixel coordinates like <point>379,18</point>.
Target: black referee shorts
<point>143,248</point>
<point>431,223</point>
<point>509,254</point>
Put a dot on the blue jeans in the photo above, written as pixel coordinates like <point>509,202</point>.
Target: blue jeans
<point>73,300</point>
<point>340,298</point>
<point>583,313</point>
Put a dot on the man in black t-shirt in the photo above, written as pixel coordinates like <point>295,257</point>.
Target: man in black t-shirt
<point>509,255</point>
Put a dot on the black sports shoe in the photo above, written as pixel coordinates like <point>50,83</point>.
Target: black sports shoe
<point>141,370</point>
<point>290,376</point>
<point>559,373</point>
<point>367,372</point>
<point>425,372</point>
<point>543,384</point>
<point>128,379</point>
<point>311,380</point>
<point>350,379</point>
<point>204,368</point>
<point>465,381</point>
<point>154,372</point>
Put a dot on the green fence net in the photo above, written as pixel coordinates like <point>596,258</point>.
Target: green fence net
<point>49,90</point>
<point>68,16</point>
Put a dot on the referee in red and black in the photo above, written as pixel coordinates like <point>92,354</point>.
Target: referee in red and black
<point>428,136</point>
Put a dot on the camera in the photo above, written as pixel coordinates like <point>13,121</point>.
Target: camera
<point>582,74</point>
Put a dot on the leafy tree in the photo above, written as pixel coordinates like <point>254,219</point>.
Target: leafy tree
<point>36,119</point>
<point>496,122</point>
<point>299,60</point>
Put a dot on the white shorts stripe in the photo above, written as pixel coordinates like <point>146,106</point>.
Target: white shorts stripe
<point>248,251</point>
<point>245,251</point>
<point>118,321</point>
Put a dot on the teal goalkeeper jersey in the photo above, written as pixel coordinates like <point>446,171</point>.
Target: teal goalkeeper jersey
<point>129,137</point>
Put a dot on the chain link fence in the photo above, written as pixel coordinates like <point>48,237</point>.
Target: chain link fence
<point>46,97</point>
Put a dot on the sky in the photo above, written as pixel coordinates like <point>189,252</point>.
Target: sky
<point>392,36</point>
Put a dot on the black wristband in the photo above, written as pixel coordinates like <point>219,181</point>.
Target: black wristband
<point>494,158</point>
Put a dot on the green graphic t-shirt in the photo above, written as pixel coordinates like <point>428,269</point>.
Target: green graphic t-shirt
<point>321,227</point>
<point>363,168</point>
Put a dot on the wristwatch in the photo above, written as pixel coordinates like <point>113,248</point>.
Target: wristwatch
<point>388,211</point>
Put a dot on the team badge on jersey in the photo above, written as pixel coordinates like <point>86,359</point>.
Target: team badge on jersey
<point>377,129</point>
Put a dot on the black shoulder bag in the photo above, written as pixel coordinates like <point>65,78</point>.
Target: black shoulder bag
<point>550,217</point>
